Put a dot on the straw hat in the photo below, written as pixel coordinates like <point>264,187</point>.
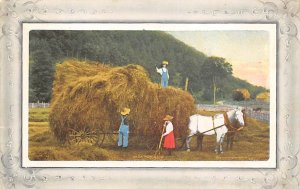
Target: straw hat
<point>165,62</point>
<point>168,118</point>
<point>125,111</point>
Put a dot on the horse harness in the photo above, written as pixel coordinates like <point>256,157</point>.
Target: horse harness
<point>226,123</point>
<point>229,126</point>
<point>213,120</point>
<point>213,129</point>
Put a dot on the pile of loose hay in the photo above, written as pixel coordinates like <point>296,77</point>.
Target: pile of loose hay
<point>89,96</point>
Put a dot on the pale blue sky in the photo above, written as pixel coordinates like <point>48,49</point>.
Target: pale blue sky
<point>247,51</point>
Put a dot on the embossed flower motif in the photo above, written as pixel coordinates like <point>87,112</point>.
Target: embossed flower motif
<point>270,10</point>
<point>285,177</point>
<point>288,7</point>
<point>9,161</point>
<point>29,178</point>
<point>288,180</point>
<point>270,180</point>
<point>285,11</point>
<point>9,29</point>
<point>288,28</point>
<point>11,180</point>
<point>289,162</point>
<point>7,9</point>
<point>292,7</point>
<point>18,9</point>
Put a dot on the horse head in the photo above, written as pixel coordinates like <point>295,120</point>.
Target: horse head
<point>240,118</point>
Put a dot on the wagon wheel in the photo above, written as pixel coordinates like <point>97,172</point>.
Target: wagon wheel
<point>100,138</point>
<point>112,136</point>
<point>77,137</point>
<point>74,137</point>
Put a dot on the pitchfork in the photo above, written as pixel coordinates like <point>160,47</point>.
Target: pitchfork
<point>159,146</point>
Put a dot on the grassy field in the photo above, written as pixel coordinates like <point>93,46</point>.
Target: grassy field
<point>252,143</point>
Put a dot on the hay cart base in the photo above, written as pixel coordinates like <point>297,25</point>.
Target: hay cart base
<point>101,139</point>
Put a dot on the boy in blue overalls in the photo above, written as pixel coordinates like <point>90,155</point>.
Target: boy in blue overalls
<point>124,129</point>
<point>164,74</point>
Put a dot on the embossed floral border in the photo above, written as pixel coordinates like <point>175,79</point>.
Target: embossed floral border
<point>285,12</point>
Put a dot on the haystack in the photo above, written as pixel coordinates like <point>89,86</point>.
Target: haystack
<point>89,96</point>
<point>241,94</point>
<point>264,96</point>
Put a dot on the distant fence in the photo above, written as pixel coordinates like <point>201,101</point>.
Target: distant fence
<point>209,107</point>
<point>39,105</point>
<point>261,115</point>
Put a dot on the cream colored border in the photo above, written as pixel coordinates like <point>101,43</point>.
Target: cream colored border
<point>270,28</point>
<point>283,12</point>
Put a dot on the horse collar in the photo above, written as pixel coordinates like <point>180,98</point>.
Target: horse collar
<point>213,120</point>
<point>227,122</point>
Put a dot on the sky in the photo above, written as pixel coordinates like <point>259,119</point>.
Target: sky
<point>247,51</point>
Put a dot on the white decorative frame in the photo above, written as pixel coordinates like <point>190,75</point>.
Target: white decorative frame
<point>270,28</point>
<point>285,13</point>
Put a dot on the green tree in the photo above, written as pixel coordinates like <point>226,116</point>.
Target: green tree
<point>146,48</point>
<point>213,70</point>
<point>177,80</point>
<point>41,76</point>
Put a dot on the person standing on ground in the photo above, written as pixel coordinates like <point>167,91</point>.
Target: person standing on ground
<point>124,129</point>
<point>164,74</point>
<point>169,139</point>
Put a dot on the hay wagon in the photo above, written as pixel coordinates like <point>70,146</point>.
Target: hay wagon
<point>87,98</point>
<point>102,138</point>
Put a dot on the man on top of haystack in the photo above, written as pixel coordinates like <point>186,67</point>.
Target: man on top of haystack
<point>164,74</point>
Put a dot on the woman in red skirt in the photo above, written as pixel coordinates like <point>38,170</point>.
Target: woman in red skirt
<point>169,142</point>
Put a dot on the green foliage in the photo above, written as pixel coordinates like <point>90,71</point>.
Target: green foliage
<point>216,67</point>
<point>213,70</point>
<point>118,48</point>
<point>41,72</point>
<point>177,80</point>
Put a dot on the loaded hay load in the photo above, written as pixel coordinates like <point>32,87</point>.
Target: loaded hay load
<point>88,96</point>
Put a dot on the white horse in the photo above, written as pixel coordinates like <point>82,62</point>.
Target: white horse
<point>215,125</point>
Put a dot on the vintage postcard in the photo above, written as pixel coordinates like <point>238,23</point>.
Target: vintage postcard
<point>149,95</point>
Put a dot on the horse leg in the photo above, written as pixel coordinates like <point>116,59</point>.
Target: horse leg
<point>227,141</point>
<point>187,141</point>
<point>221,142</point>
<point>217,149</point>
<point>199,141</point>
<point>183,143</point>
<point>231,141</point>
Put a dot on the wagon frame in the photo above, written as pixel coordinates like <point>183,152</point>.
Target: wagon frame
<point>99,137</point>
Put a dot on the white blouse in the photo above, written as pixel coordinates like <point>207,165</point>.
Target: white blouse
<point>169,128</point>
<point>161,70</point>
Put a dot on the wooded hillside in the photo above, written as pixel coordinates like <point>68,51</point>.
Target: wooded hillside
<point>118,48</point>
